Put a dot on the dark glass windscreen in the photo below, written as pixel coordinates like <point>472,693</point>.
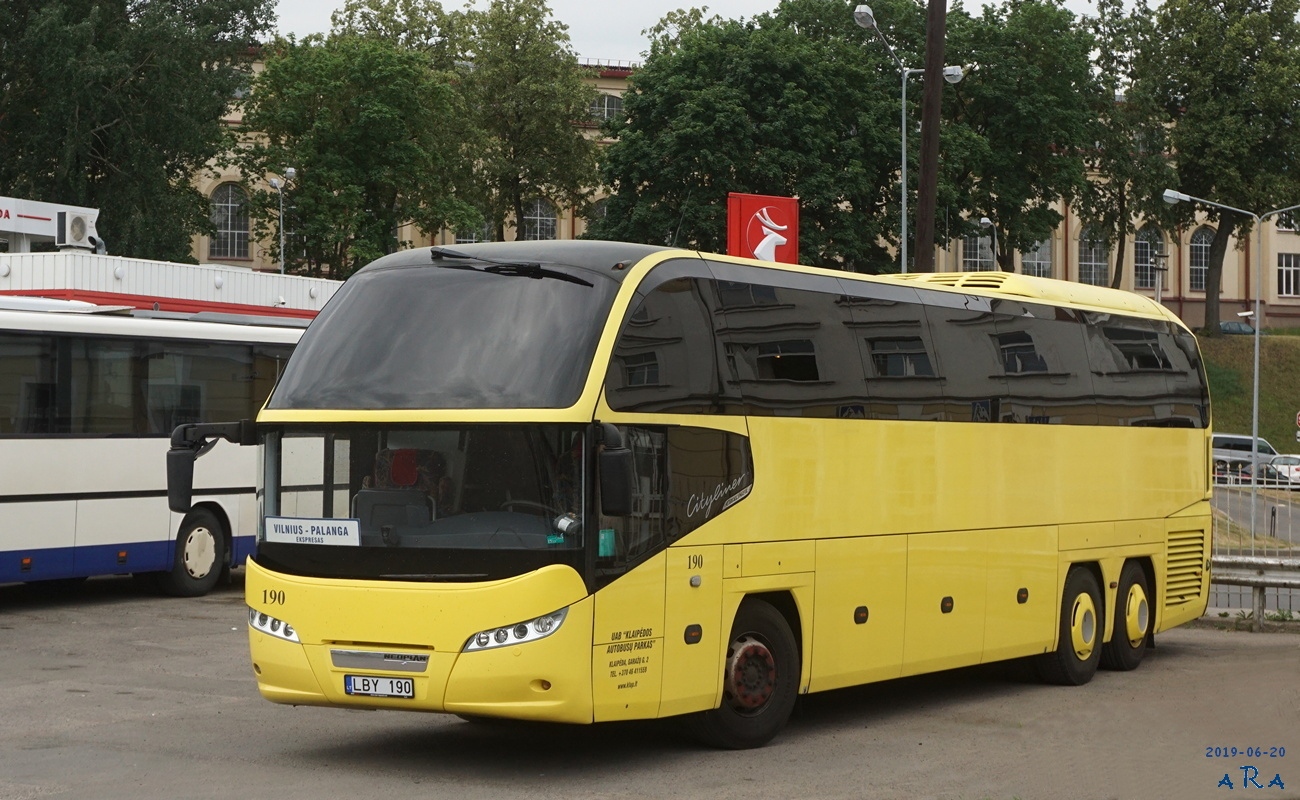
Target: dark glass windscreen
<point>448,337</point>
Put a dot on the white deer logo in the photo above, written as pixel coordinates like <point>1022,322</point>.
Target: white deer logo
<point>766,249</point>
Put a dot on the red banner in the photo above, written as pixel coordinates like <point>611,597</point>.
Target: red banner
<point>763,227</point>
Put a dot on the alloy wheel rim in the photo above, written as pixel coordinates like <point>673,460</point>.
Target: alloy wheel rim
<point>751,674</point>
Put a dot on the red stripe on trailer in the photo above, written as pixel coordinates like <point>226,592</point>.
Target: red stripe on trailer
<point>164,303</point>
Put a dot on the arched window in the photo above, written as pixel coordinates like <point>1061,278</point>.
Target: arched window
<point>1094,258</point>
<point>539,221</point>
<point>606,106</point>
<point>1198,257</point>
<point>976,253</point>
<point>229,213</point>
<point>1148,247</point>
<point>1038,262</point>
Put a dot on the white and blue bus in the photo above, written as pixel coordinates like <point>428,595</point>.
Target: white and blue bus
<point>88,398</point>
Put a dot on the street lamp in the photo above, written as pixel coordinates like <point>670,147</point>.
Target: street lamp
<point>1171,197</point>
<point>865,19</point>
<point>985,222</point>
<point>279,185</point>
<point>1158,269</point>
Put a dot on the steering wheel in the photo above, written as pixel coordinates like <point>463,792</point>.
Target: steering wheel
<point>510,505</point>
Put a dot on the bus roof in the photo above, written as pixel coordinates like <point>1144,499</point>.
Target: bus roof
<point>123,322</point>
<point>610,258</point>
<point>615,260</point>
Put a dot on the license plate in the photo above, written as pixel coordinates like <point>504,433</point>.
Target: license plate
<point>371,686</point>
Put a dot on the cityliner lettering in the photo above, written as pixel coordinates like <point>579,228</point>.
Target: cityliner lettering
<point>697,503</point>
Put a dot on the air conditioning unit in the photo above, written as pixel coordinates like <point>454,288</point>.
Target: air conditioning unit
<point>74,229</point>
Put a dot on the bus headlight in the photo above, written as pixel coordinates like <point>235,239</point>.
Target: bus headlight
<point>271,626</point>
<point>519,633</point>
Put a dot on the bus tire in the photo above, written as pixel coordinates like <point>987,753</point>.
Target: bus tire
<point>200,556</point>
<point>759,684</point>
<point>1128,638</point>
<point>1078,648</point>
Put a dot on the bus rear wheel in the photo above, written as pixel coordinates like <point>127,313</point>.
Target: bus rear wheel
<point>1128,639</point>
<point>759,684</point>
<point>200,556</point>
<point>1078,647</point>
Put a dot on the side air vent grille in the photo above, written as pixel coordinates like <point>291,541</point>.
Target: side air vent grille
<point>1185,567</point>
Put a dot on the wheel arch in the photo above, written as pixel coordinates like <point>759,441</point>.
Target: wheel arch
<point>784,602</point>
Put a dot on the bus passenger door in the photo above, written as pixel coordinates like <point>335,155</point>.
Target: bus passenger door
<point>628,639</point>
<point>628,633</point>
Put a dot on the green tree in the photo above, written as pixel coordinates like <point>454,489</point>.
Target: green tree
<point>117,105</point>
<point>374,132</point>
<point>524,93</point>
<point>1227,75</point>
<point>1021,119</point>
<point>794,103</point>
<point>1128,164</point>
<point>420,25</point>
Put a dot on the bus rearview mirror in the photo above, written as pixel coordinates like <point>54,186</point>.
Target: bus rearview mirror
<point>616,478</point>
<point>180,478</point>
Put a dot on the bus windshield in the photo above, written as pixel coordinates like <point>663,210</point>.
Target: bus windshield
<point>436,503</point>
<point>414,336</point>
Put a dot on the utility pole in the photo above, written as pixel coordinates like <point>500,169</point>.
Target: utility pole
<point>936,28</point>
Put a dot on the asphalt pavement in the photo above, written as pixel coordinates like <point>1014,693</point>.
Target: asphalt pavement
<point>118,693</point>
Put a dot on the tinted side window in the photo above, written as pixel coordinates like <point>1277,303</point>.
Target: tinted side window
<point>1133,370</point>
<point>795,356</point>
<point>98,385</point>
<point>970,363</point>
<point>666,357</point>
<point>1191,395</point>
<point>709,472</point>
<point>898,357</point>
<point>1042,355</point>
<point>627,541</point>
<point>28,401</point>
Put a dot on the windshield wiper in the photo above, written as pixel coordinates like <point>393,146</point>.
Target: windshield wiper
<point>523,269</point>
<point>533,270</point>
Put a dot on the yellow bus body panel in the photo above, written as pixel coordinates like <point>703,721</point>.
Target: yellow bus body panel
<point>544,679</point>
<point>868,573</point>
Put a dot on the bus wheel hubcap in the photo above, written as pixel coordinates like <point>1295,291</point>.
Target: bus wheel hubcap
<point>751,674</point>
<point>1136,615</point>
<point>1083,626</point>
<point>199,552</point>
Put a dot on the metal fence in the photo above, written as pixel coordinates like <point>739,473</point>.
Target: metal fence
<point>1256,575</point>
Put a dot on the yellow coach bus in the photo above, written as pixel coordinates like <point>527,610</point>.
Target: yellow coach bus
<point>590,481</point>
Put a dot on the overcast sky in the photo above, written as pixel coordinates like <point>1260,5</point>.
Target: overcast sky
<point>608,30</point>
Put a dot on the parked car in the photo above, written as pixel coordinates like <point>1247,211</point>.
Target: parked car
<point>1228,446</point>
<point>1269,475</point>
<point>1288,465</point>
<point>1231,455</point>
<point>1236,327</point>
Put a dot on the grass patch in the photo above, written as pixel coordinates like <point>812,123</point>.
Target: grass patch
<point>1229,534</point>
<point>1228,366</point>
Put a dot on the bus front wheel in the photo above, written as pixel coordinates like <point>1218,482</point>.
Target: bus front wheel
<point>200,556</point>
<point>759,683</point>
<point>1078,648</point>
<point>1128,640</point>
